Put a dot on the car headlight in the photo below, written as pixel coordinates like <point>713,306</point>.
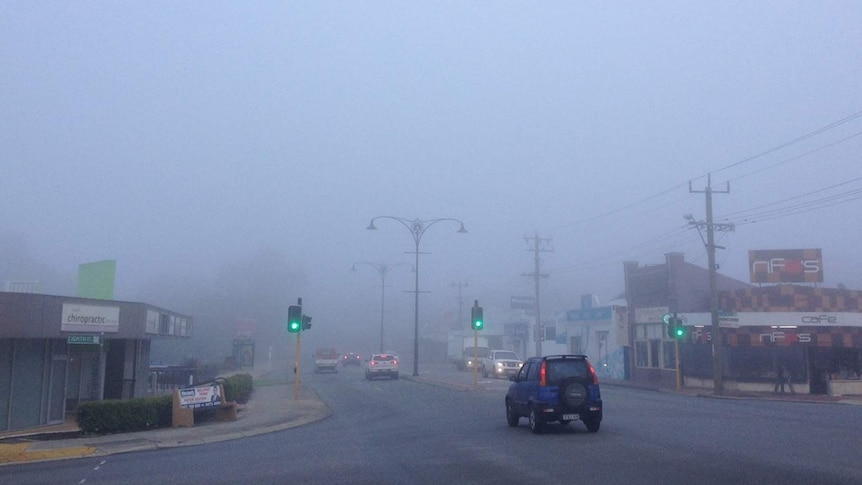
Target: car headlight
<point>499,364</point>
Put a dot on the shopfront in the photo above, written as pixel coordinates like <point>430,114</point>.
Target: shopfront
<point>56,352</point>
<point>818,348</point>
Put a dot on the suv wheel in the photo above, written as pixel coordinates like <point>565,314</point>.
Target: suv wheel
<point>573,392</point>
<point>592,424</point>
<point>537,425</point>
<point>511,417</point>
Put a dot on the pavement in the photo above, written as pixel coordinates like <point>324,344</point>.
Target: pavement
<point>272,407</point>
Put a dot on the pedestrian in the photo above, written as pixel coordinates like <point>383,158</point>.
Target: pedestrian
<point>779,380</point>
<point>783,379</point>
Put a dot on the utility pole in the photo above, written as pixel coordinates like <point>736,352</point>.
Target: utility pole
<point>537,245</point>
<point>460,286</point>
<point>717,340</point>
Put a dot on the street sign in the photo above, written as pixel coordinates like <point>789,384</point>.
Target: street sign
<point>82,339</point>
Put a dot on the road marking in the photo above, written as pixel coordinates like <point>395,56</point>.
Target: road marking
<point>20,452</point>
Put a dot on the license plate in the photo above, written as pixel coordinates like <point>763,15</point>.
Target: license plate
<point>570,417</point>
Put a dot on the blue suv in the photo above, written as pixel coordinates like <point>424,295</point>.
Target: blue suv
<point>561,388</point>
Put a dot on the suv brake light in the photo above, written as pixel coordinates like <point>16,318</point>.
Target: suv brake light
<point>593,373</point>
<point>543,374</point>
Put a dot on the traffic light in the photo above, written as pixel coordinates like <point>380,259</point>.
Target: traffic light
<point>679,329</point>
<point>670,321</point>
<point>478,321</point>
<point>294,319</point>
<point>306,322</point>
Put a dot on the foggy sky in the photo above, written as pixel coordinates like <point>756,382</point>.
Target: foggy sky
<point>183,138</point>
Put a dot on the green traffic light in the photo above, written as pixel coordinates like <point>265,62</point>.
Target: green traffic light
<point>294,319</point>
<point>478,320</point>
<point>680,332</point>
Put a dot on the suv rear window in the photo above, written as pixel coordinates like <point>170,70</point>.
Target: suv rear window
<point>384,357</point>
<point>559,369</point>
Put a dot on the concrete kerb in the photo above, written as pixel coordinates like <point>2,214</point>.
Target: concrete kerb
<point>735,395</point>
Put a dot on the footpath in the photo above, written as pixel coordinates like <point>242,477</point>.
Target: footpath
<point>272,407</point>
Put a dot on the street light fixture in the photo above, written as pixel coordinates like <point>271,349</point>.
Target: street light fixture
<point>382,270</point>
<point>417,228</point>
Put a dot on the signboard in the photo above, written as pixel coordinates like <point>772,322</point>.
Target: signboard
<point>777,319</point>
<point>200,397</point>
<point>83,339</point>
<point>522,303</point>
<point>785,266</point>
<point>650,315</point>
<point>589,314</point>
<point>89,318</point>
<point>244,327</point>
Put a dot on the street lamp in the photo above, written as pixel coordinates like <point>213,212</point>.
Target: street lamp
<point>417,228</point>
<point>382,270</point>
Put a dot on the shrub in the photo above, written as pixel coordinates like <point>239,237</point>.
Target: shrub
<point>115,416</point>
<point>238,387</point>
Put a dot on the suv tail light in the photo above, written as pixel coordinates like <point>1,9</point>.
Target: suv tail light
<point>593,373</point>
<point>543,374</point>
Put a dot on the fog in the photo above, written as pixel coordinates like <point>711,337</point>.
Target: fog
<point>230,155</point>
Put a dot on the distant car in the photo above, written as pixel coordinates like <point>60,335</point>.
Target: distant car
<point>500,363</point>
<point>351,359</point>
<point>469,361</point>
<point>561,388</point>
<point>382,365</point>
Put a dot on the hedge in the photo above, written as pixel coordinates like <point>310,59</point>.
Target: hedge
<point>119,416</point>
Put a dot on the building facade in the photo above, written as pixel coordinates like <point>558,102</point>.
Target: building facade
<point>805,336</point>
<point>58,351</point>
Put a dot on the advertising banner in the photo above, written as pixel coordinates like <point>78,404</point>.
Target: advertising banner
<point>200,397</point>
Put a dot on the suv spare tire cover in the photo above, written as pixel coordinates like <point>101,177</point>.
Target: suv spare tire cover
<point>573,393</point>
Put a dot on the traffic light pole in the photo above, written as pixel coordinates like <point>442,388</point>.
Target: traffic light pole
<point>678,367</point>
<point>296,368</point>
<point>476,359</point>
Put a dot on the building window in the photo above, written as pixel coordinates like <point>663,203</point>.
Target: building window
<point>641,354</point>
<point>668,354</point>
<point>649,347</point>
<point>654,353</point>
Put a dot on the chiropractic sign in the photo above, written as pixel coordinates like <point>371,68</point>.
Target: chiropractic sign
<point>89,318</point>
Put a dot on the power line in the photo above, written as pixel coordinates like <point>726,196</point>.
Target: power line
<point>794,141</point>
<point>791,142</point>
<point>797,157</point>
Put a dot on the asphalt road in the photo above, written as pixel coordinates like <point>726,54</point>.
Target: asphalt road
<point>404,432</point>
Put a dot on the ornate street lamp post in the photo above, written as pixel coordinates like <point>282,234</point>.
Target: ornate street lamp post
<point>382,270</point>
<point>417,228</point>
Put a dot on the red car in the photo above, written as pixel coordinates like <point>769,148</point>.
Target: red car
<point>351,359</point>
